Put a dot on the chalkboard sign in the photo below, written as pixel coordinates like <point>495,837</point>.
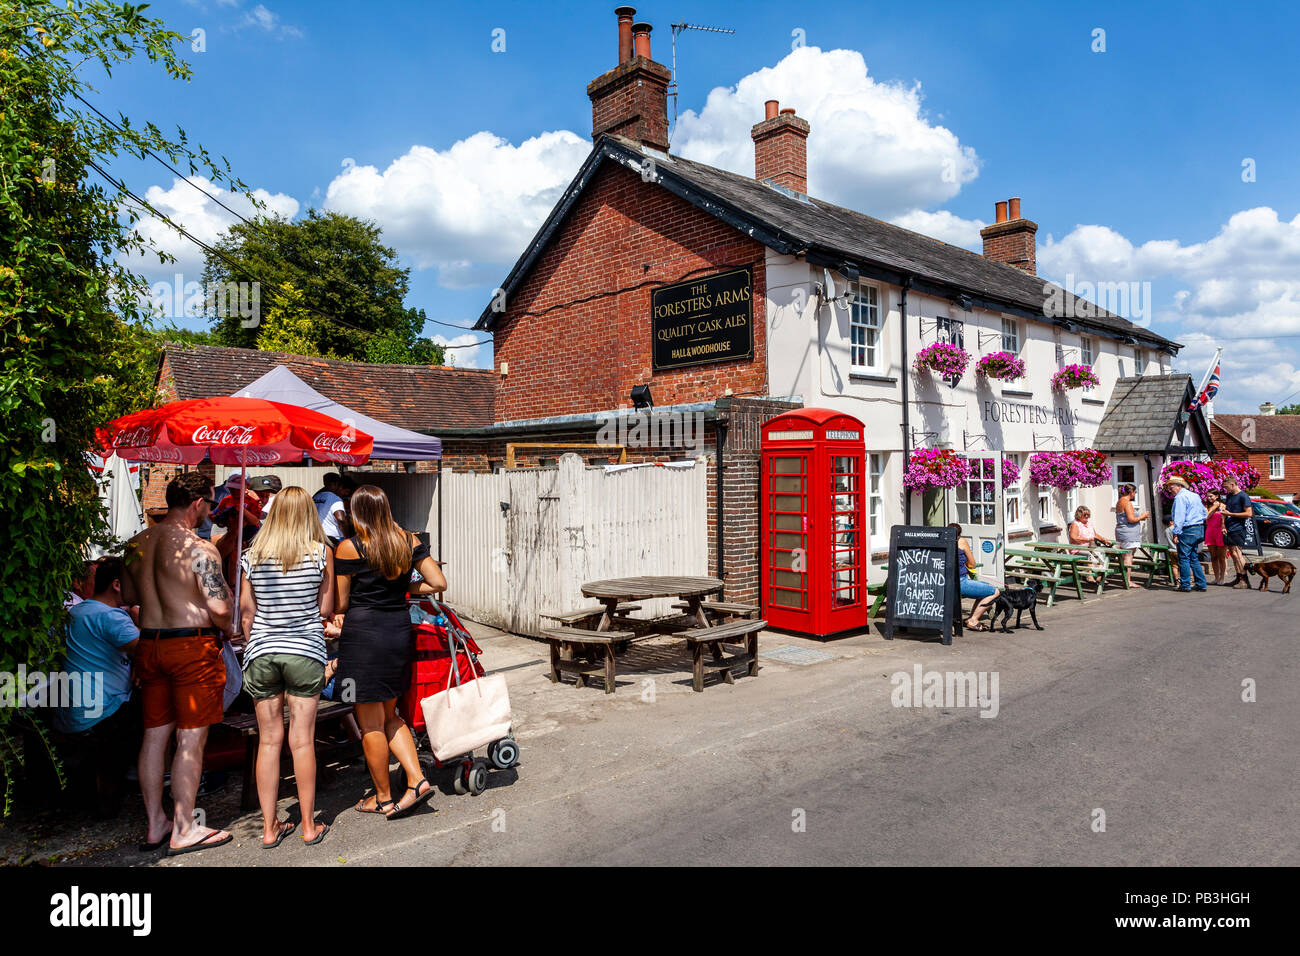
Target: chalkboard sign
<point>703,320</point>
<point>1252,538</point>
<point>923,588</point>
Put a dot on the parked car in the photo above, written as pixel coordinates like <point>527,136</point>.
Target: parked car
<point>1278,529</point>
<point>1285,507</point>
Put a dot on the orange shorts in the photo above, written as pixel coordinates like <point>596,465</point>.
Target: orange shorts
<point>182,681</point>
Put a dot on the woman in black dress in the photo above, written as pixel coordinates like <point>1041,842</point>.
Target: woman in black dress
<point>376,645</point>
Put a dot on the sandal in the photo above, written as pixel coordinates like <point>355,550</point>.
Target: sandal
<point>420,800</point>
<point>981,626</point>
<point>379,806</point>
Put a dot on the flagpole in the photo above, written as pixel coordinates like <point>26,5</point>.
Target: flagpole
<point>1214,363</point>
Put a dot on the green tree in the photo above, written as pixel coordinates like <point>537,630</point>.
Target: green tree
<point>287,327</point>
<point>75,346</point>
<point>353,283</point>
<point>1292,409</point>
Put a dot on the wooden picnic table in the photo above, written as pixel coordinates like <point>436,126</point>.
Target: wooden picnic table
<point>1050,567</point>
<point>1113,557</point>
<point>616,591</point>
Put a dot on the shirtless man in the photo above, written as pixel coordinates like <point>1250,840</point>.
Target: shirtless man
<point>186,610</point>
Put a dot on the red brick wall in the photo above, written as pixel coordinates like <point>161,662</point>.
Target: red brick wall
<point>1228,447</point>
<point>1013,243</point>
<point>587,356</point>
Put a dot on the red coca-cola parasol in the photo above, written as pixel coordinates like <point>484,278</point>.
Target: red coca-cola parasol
<point>233,431</point>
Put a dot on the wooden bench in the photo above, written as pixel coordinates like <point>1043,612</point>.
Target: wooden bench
<point>588,615</point>
<point>587,640</point>
<point>726,609</point>
<point>697,638</point>
<point>246,726</point>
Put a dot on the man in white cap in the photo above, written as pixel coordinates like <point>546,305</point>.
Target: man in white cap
<point>1188,531</point>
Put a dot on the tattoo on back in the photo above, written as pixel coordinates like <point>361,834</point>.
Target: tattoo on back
<point>210,577</point>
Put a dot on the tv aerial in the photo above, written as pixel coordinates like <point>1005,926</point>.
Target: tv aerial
<point>679,28</point>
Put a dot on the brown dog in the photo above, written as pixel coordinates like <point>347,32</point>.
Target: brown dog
<point>1284,570</point>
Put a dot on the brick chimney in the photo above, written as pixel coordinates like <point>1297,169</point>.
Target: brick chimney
<point>781,148</point>
<point>632,99</point>
<point>1011,239</point>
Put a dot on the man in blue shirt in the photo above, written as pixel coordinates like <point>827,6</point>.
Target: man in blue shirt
<point>96,713</point>
<point>1188,531</point>
<point>101,638</point>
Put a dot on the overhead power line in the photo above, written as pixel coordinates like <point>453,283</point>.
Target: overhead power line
<point>239,268</point>
<point>249,222</point>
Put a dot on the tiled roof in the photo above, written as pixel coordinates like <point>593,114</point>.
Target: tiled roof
<point>418,397</point>
<point>1272,432</point>
<point>1142,413</point>
<point>790,222</point>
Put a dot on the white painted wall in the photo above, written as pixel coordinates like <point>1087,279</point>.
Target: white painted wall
<point>809,357</point>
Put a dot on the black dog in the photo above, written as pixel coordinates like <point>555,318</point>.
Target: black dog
<point>1018,600</point>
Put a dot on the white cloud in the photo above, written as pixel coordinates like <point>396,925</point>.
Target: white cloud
<point>480,357</point>
<point>467,211</point>
<point>264,19</point>
<point>871,146</point>
<point>944,226</point>
<point>1239,289</point>
<point>201,217</point>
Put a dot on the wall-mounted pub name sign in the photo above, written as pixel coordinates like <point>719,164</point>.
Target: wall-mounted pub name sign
<point>709,319</point>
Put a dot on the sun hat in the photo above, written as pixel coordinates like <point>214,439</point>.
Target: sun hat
<point>1176,480</point>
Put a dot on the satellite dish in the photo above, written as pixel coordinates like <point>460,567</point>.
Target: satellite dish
<point>829,285</point>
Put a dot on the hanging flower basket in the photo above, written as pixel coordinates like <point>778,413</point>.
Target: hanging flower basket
<point>942,358</point>
<point>934,468</point>
<point>1086,468</point>
<point>1010,472</point>
<point>1202,477</point>
<point>1003,366</point>
<point>1075,376</point>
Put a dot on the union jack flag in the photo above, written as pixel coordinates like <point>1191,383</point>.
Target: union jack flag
<point>1209,389</point>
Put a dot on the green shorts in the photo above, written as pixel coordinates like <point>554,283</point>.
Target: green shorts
<point>272,674</point>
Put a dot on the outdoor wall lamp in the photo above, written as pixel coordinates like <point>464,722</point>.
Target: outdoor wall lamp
<point>641,397</point>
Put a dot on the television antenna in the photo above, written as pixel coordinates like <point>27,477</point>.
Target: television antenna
<point>678,28</point>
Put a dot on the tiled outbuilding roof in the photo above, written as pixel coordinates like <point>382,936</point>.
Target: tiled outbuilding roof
<point>1272,432</point>
<point>418,397</point>
<point>1144,413</point>
<point>833,236</point>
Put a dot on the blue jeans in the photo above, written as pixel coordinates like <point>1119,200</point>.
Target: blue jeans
<point>1189,546</point>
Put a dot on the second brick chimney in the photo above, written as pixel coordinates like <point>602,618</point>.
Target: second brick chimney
<point>1011,239</point>
<point>632,99</point>
<point>781,148</point>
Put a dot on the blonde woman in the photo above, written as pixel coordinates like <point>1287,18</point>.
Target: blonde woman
<point>376,645</point>
<point>1082,532</point>
<point>287,593</point>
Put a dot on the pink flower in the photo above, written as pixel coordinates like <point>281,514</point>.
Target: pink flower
<point>947,360</point>
<point>1075,376</point>
<point>1001,365</point>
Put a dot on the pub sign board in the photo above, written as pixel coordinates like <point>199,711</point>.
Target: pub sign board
<point>923,589</point>
<point>703,320</point>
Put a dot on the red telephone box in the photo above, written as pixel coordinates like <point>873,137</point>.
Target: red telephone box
<point>813,522</point>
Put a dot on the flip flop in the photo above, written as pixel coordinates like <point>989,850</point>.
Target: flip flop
<point>203,844</point>
<point>420,800</point>
<point>157,844</point>
<point>324,829</point>
<point>279,838</point>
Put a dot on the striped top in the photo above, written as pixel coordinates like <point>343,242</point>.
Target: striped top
<point>287,620</point>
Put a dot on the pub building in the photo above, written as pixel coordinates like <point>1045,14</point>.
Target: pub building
<point>658,281</point>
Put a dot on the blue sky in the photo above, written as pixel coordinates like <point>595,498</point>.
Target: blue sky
<point>1129,159</point>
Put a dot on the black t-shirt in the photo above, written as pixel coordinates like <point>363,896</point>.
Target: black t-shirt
<point>1238,502</point>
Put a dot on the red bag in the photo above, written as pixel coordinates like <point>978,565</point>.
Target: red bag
<point>432,669</point>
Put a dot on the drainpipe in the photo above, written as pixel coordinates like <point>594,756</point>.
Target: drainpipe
<point>720,435</point>
<point>1156,503</point>
<point>902,374</point>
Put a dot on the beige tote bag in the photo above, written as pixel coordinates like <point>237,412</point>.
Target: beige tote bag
<point>467,717</point>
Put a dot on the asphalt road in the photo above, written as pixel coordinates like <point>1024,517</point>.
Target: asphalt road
<point>1131,705</point>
